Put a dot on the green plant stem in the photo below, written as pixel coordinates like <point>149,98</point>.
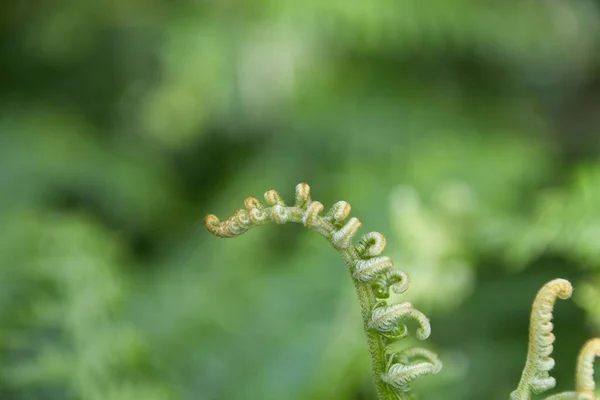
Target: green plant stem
<point>367,301</point>
<point>376,347</point>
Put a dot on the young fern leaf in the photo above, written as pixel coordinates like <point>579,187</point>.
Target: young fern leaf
<point>411,364</point>
<point>584,378</point>
<point>373,276</point>
<point>535,378</point>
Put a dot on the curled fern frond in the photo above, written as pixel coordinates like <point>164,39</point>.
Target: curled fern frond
<point>373,276</point>
<point>367,270</point>
<point>342,239</point>
<point>584,377</point>
<point>536,378</point>
<point>410,364</point>
<point>338,213</point>
<point>371,245</point>
<point>396,280</point>
<point>388,320</point>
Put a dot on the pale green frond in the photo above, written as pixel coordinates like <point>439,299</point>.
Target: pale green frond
<point>373,276</point>
<point>584,378</point>
<point>535,377</point>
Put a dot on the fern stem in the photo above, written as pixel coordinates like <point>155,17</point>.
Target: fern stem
<point>376,346</point>
<point>367,302</point>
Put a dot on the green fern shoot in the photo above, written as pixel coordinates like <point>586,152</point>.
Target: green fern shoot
<point>536,378</point>
<point>373,276</point>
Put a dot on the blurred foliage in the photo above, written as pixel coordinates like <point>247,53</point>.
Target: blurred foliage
<point>465,131</point>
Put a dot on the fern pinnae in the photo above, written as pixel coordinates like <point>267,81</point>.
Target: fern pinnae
<point>387,319</point>
<point>399,376</point>
<point>367,270</point>
<point>273,198</point>
<point>338,213</point>
<point>409,355</point>
<point>302,195</point>
<point>371,245</point>
<point>411,364</point>
<point>536,378</point>
<point>343,237</point>
<point>373,276</point>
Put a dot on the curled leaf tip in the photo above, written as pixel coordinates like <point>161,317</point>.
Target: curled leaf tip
<point>339,212</point>
<point>272,197</point>
<point>213,224</point>
<point>397,280</point>
<point>232,226</point>
<point>252,203</point>
<point>343,237</point>
<point>302,195</point>
<point>371,245</point>
<point>368,270</point>
<point>211,221</point>
<point>561,287</point>
<point>411,364</point>
<point>388,319</point>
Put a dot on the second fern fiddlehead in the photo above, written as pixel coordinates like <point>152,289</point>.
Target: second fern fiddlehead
<point>536,377</point>
<point>373,276</point>
<point>584,378</point>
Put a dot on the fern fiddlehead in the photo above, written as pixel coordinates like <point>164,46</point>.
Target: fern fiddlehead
<point>373,276</point>
<point>584,378</point>
<point>536,377</point>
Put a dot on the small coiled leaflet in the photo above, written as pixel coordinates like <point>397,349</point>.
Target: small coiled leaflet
<point>411,364</point>
<point>387,319</point>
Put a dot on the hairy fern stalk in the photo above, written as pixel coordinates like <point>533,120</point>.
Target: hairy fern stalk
<point>373,276</point>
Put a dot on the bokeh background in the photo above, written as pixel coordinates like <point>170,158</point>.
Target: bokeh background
<point>467,132</point>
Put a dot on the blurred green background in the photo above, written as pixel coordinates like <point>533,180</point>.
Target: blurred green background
<point>467,132</point>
